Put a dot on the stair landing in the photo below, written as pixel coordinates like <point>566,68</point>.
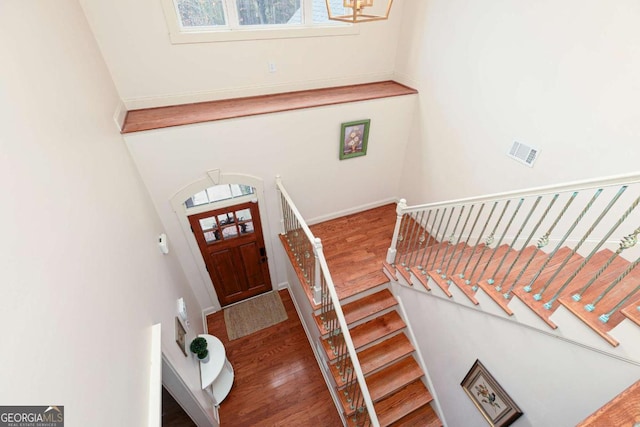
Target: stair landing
<point>359,240</point>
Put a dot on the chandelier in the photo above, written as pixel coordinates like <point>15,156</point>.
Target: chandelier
<point>357,11</point>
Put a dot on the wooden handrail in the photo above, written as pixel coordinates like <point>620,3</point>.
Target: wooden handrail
<point>333,300</point>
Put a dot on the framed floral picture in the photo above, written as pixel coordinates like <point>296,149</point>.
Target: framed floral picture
<point>491,400</point>
<point>181,335</point>
<point>354,138</point>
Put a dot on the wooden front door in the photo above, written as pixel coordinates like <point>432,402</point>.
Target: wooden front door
<point>232,246</point>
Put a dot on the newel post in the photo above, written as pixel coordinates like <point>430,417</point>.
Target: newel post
<point>317,276</point>
<point>391,252</point>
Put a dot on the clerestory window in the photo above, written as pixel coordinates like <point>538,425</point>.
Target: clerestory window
<point>221,20</point>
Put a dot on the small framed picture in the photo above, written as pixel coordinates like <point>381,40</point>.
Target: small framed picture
<point>354,138</point>
<point>181,336</point>
<point>491,400</point>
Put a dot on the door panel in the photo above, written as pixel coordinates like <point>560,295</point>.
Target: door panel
<point>232,247</point>
<point>250,255</point>
<point>224,272</point>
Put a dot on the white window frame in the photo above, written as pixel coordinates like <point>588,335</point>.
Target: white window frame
<point>233,31</point>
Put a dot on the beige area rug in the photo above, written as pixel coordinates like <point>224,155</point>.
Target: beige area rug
<point>253,315</point>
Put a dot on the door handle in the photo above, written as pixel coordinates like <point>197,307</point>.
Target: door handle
<point>263,253</point>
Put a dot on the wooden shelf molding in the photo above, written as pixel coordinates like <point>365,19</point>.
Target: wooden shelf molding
<point>179,115</point>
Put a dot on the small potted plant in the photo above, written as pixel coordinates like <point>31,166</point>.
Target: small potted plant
<point>199,347</point>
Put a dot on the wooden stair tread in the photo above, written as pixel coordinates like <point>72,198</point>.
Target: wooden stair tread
<point>385,381</point>
<point>402,403</point>
<point>443,283</point>
<point>370,331</point>
<point>574,260</point>
<point>390,269</point>
<point>440,254</point>
<point>447,267</point>
<point>379,355</point>
<point>458,277</point>
<point>451,256</point>
<point>632,311</point>
<point>498,270</point>
<point>495,255</point>
<point>362,283</point>
<point>622,410</point>
<point>430,260</point>
<point>424,416</point>
<point>369,305</point>
<point>538,306</point>
<point>501,278</point>
<point>461,259</point>
<point>496,296</point>
<point>591,319</point>
<point>466,289</point>
<point>406,274</point>
<point>422,277</point>
<point>377,328</point>
<point>612,298</point>
<point>384,352</point>
<point>558,281</point>
<point>362,308</point>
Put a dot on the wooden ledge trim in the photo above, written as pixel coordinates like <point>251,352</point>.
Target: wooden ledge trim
<point>179,115</point>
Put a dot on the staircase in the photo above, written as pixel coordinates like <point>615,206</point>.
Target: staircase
<point>558,258</point>
<point>393,377</point>
<point>374,373</point>
<point>566,250</point>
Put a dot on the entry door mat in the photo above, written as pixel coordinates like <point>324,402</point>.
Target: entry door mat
<point>254,314</point>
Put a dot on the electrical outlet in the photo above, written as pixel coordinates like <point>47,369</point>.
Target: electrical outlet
<point>272,67</point>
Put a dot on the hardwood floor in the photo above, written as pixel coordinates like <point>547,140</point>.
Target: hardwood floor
<point>358,240</point>
<point>277,379</point>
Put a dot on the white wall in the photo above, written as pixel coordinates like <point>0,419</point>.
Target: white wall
<point>300,145</point>
<point>149,71</point>
<point>554,382</point>
<point>82,279</point>
<point>558,75</point>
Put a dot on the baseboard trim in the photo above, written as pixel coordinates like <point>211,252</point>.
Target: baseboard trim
<point>345,212</point>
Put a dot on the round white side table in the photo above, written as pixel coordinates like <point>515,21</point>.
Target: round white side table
<point>216,375</point>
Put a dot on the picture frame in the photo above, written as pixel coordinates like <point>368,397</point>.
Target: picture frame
<point>489,397</point>
<point>181,337</point>
<point>354,137</point>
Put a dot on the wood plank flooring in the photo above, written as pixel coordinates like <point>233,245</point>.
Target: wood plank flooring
<point>178,115</point>
<point>360,240</point>
<point>277,379</point>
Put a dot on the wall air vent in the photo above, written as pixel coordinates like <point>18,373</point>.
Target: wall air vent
<point>523,153</point>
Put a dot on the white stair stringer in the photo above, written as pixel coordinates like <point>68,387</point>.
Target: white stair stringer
<point>523,314</point>
<point>571,327</point>
<point>487,304</point>
<point>460,297</point>
<point>627,334</point>
<point>436,289</point>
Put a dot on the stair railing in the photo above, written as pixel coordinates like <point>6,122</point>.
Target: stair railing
<point>302,243</point>
<point>584,217</point>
